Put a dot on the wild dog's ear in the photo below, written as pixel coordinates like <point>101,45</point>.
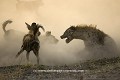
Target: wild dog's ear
<point>28,26</point>
<point>73,28</point>
<point>40,26</point>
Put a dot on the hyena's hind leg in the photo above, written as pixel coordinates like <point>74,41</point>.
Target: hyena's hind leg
<point>21,50</point>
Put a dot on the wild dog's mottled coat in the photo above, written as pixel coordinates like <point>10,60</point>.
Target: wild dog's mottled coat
<point>31,41</point>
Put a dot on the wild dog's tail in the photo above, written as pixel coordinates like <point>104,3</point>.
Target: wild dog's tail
<point>5,24</point>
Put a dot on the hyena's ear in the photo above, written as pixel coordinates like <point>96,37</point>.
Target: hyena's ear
<point>28,26</point>
<point>73,28</point>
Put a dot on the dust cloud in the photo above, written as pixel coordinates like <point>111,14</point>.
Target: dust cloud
<point>56,16</point>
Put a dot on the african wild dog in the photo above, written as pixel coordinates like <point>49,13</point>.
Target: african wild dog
<point>31,41</point>
<point>11,35</point>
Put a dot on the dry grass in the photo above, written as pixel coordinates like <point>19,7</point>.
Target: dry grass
<point>100,68</point>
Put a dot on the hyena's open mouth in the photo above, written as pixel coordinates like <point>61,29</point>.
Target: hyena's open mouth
<point>68,38</point>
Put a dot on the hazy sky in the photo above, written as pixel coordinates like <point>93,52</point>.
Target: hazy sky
<point>57,15</point>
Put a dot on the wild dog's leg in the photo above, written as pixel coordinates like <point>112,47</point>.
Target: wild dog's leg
<point>27,56</point>
<point>19,52</point>
<point>36,52</point>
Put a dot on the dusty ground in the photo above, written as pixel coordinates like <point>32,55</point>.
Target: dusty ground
<point>103,69</point>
